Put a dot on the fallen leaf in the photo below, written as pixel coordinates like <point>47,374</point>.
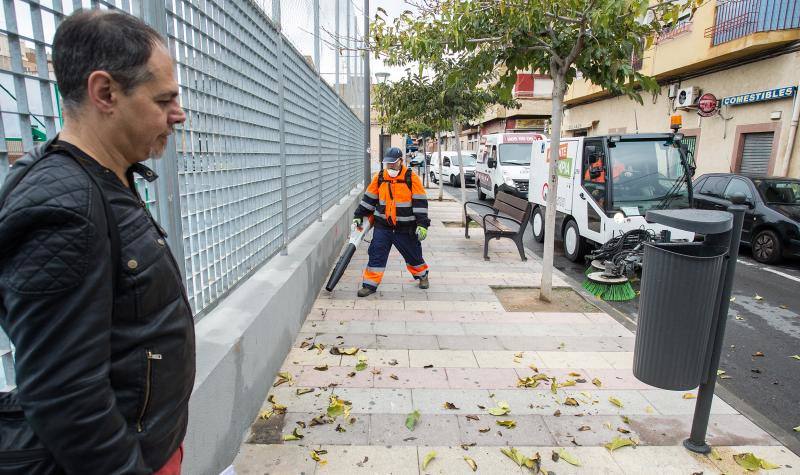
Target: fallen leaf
<point>471,463</point>
<point>758,298</point>
<point>339,407</point>
<point>507,423</point>
<point>569,458</point>
<point>784,306</point>
<point>758,353</point>
<point>575,375</point>
<point>351,374</point>
<point>517,360</point>
<point>566,383</point>
<point>584,428</point>
<point>571,401</point>
<point>284,377</point>
<point>714,454</point>
<point>300,392</point>
<point>320,420</point>
<point>482,408</point>
<point>430,456</point>
<point>557,413</point>
<point>608,425</point>
<point>375,371</point>
<point>339,428</point>
<point>618,442</point>
<point>501,410</point>
<point>265,414</point>
<point>521,460</point>
<point>597,382</point>
<point>467,446</point>
<point>689,396</point>
<point>615,401</point>
<point>733,299</point>
<point>518,355</point>
<point>580,380</point>
<point>277,408</point>
<point>796,429</point>
<point>534,368</point>
<point>451,406</point>
<point>412,419</point>
<point>349,351</point>
<point>483,431</point>
<point>553,386</point>
<point>751,463</point>
<point>555,457</point>
<point>319,347</point>
<point>321,368</point>
<point>626,420</point>
<point>362,363</point>
<point>393,362</point>
<point>739,317</point>
<point>315,456</point>
<point>649,409</point>
<point>394,376</point>
<point>295,435</point>
<point>623,431</point>
<point>473,418</point>
<point>305,344</point>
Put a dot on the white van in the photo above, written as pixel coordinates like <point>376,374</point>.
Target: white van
<point>606,185</point>
<point>450,168</point>
<point>503,164</point>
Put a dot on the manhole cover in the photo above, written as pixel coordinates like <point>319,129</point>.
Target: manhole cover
<point>526,299</point>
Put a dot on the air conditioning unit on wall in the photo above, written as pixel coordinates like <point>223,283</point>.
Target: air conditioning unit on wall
<point>687,98</point>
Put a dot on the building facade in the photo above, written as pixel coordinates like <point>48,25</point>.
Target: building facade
<point>731,72</point>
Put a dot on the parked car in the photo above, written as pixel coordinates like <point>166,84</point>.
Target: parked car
<point>450,169</point>
<point>772,221</point>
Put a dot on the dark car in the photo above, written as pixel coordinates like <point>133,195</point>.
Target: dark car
<point>772,221</point>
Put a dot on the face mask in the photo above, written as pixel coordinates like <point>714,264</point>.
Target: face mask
<point>392,173</point>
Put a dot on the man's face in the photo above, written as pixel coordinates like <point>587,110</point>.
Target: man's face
<point>147,114</point>
<point>398,165</point>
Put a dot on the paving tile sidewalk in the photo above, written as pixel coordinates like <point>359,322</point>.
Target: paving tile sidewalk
<point>455,343</point>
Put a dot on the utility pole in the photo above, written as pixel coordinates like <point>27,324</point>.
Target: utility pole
<point>365,52</point>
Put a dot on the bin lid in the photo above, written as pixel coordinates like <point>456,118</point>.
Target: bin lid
<point>698,221</point>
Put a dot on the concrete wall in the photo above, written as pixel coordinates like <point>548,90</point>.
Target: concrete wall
<point>242,343</point>
<point>716,137</point>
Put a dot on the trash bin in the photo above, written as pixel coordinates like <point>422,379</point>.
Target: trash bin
<point>679,295</point>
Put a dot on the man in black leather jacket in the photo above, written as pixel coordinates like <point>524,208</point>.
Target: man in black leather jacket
<point>105,353</point>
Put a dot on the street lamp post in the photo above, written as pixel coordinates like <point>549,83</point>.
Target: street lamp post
<point>381,79</point>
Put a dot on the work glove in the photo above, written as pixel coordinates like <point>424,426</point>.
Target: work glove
<point>357,222</point>
<point>422,233</point>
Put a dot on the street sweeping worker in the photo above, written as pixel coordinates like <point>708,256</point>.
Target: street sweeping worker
<point>397,202</point>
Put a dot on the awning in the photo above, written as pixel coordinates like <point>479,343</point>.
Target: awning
<point>581,125</point>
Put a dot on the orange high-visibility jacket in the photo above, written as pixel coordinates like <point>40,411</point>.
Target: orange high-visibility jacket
<point>393,204</point>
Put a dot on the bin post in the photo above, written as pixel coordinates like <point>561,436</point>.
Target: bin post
<point>697,440</point>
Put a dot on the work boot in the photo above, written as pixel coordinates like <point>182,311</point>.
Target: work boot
<point>364,291</point>
<point>423,282</point>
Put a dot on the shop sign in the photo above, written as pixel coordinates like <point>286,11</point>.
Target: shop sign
<point>707,105</point>
<point>761,96</point>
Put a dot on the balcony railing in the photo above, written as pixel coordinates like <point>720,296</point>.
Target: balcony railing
<point>683,27</point>
<point>738,18</point>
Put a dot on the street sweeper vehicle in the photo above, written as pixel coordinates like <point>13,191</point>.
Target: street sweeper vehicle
<point>606,185</point>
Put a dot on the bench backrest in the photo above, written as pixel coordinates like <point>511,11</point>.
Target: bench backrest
<point>514,207</point>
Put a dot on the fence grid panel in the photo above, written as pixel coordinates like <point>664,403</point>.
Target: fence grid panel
<point>226,157</point>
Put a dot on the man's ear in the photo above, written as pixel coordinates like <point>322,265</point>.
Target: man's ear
<point>102,91</point>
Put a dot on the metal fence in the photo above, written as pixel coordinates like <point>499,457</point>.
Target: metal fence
<point>270,139</point>
<point>737,18</point>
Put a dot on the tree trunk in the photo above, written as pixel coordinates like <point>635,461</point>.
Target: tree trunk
<point>462,181</point>
<point>559,88</point>
<point>439,148</point>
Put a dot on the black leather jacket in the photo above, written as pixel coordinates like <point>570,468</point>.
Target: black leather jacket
<point>104,395</point>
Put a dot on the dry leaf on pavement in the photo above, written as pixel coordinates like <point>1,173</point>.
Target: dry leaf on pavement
<point>430,456</point>
<point>615,401</point>
<point>412,420</point>
<point>471,463</point>
<point>618,442</point>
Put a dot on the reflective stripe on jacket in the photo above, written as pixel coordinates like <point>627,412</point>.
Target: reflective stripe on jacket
<point>393,204</point>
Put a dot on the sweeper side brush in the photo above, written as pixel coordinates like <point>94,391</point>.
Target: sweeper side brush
<point>608,287</point>
<point>356,236</point>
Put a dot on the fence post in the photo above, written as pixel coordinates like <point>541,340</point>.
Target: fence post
<point>319,105</point>
<point>168,184</point>
<point>276,17</point>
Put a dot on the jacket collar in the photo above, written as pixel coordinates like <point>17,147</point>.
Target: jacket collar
<point>137,168</point>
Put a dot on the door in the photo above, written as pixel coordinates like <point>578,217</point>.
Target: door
<point>756,153</point>
<point>446,169</point>
<point>590,203</point>
<point>740,185</point>
<point>711,194</point>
